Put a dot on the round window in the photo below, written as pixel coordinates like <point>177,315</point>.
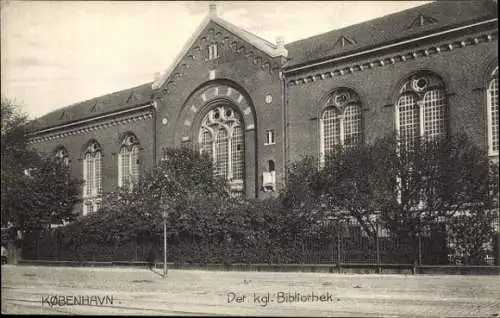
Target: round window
<point>340,99</point>
<point>420,84</point>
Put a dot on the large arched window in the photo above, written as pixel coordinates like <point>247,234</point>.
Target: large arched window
<point>221,137</point>
<point>340,123</point>
<point>128,162</point>
<point>421,109</point>
<point>92,188</point>
<point>61,156</point>
<point>492,111</point>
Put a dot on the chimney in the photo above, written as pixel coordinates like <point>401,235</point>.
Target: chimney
<point>212,9</point>
<point>280,42</point>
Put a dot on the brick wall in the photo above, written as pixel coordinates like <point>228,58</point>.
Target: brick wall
<point>240,71</point>
<point>463,71</point>
<point>255,75</point>
<point>110,140</point>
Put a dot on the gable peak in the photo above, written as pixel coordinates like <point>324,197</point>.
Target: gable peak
<point>421,20</point>
<point>344,41</point>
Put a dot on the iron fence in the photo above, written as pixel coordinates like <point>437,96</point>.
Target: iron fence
<point>340,242</point>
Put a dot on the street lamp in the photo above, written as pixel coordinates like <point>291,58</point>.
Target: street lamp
<point>165,269</point>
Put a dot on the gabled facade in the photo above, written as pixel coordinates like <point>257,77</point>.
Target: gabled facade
<point>255,106</point>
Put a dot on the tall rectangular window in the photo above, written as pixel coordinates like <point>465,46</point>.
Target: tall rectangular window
<point>237,153</point>
<point>92,188</point>
<point>492,95</point>
<point>409,120</point>
<point>212,51</point>
<point>222,152</point>
<point>270,137</point>
<point>128,162</point>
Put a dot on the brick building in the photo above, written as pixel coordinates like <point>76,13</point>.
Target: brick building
<point>255,106</point>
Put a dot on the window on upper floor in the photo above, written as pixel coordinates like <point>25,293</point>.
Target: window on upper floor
<point>421,109</point>
<point>492,112</point>
<point>128,162</point>
<point>92,187</point>
<point>213,52</point>
<point>340,123</point>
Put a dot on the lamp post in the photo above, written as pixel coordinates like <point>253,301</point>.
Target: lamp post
<point>165,269</point>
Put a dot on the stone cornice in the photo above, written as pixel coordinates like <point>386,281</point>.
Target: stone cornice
<point>92,119</point>
<point>92,126</point>
<point>378,49</point>
<point>399,58</point>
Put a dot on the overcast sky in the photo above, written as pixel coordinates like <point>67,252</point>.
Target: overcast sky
<point>55,53</point>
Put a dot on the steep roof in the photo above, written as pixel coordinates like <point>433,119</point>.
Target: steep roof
<point>109,103</point>
<point>395,27</point>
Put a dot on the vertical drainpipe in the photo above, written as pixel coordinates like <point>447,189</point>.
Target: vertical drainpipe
<point>155,132</point>
<point>280,43</point>
<point>285,125</point>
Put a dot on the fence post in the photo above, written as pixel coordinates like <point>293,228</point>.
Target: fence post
<point>38,245</point>
<point>332,228</point>
<point>378,247</point>
<point>136,248</point>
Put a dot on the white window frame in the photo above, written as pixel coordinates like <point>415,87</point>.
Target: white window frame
<point>213,53</point>
<point>130,148</point>
<point>92,157</point>
<point>339,106</point>
<point>421,110</point>
<point>211,124</point>
<point>322,146</point>
<point>270,137</point>
<point>493,76</point>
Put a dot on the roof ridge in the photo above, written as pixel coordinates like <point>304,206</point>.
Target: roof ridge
<point>109,94</point>
<point>81,104</point>
<point>448,15</point>
<point>217,19</point>
<point>380,18</point>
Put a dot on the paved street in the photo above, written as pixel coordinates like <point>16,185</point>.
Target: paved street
<point>59,290</point>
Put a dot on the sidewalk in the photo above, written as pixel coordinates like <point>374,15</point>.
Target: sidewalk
<point>193,292</point>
